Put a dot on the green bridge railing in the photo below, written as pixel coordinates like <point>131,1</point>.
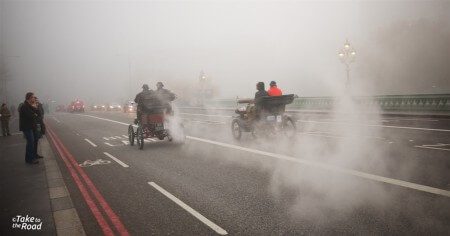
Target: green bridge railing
<point>406,103</point>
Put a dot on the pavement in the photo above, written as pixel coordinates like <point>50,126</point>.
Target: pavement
<point>34,199</point>
<point>380,175</point>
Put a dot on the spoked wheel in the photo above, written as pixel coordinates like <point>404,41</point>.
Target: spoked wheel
<point>289,128</point>
<point>131,135</point>
<point>236,129</point>
<point>140,137</point>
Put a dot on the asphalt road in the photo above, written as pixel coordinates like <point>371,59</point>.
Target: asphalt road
<point>387,175</point>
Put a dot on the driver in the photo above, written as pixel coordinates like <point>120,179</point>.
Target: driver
<point>140,98</point>
<point>254,109</point>
<point>165,96</point>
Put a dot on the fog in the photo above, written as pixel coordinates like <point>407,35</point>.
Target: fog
<point>103,51</point>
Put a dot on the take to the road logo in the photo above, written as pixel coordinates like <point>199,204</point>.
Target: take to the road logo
<point>26,223</point>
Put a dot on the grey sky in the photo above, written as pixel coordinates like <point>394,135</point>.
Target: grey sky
<point>68,49</point>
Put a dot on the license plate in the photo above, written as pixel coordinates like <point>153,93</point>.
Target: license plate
<point>159,127</point>
<point>278,118</point>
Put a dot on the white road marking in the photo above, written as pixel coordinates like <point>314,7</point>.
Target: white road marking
<point>109,144</point>
<point>17,133</point>
<point>125,142</point>
<point>332,168</point>
<point>56,119</point>
<point>90,142</point>
<point>112,138</point>
<point>116,160</point>
<point>443,149</point>
<point>193,212</point>
<point>105,138</point>
<point>125,136</point>
<point>118,137</point>
<point>194,114</point>
<point>377,178</point>
<point>383,126</point>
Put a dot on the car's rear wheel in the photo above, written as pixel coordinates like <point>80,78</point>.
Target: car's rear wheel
<point>236,129</point>
<point>131,135</point>
<point>140,137</point>
<point>289,128</point>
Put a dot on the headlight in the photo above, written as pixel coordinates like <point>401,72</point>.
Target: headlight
<point>111,107</point>
<point>95,106</point>
<point>120,107</point>
<point>103,106</point>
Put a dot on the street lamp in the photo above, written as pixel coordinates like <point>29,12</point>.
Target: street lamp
<point>347,55</point>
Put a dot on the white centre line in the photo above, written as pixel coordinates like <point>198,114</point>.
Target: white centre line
<point>372,177</point>
<point>116,160</point>
<point>382,126</point>
<point>90,142</point>
<point>364,175</point>
<point>193,212</point>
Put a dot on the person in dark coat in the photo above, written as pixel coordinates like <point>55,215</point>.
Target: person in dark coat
<point>165,96</point>
<point>5,116</point>
<point>140,99</point>
<point>40,123</point>
<point>28,124</point>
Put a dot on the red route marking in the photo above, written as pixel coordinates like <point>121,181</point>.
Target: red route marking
<point>112,216</point>
<point>87,198</point>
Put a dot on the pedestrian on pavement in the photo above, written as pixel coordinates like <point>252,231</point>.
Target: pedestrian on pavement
<point>41,126</point>
<point>28,124</point>
<point>5,116</point>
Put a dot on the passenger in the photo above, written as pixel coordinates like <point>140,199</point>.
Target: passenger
<point>140,98</point>
<point>274,90</point>
<point>165,96</point>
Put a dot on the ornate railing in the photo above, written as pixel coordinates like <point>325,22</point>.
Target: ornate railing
<point>405,103</point>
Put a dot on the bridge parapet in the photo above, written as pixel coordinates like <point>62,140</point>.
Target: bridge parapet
<point>423,103</point>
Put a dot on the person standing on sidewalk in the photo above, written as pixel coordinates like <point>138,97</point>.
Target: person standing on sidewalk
<point>28,118</point>
<point>41,126</point>
<point>5,116</point>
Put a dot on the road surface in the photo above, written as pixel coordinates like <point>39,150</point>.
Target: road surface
<point>376,176</point>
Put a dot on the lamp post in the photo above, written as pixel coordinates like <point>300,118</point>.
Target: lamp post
<point>347,56</point>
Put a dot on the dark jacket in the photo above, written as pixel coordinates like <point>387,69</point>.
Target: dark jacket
<point>165,95</point>
<point>40,117</point>
<point>5,113</point>
<point>28,117</point>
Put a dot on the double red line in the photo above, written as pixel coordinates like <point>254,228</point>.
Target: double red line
<point>76,172</point>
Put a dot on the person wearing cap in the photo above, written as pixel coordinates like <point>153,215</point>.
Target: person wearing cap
<point>140,98</point>
<point>5,115</point>
<point>165,96</point>
<point>274,90</point>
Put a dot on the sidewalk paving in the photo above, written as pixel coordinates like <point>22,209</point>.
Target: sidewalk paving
<point>37,190</point>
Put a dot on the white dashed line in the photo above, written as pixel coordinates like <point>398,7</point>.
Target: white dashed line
<point>90,142</point>
<point>116,160</point>
<point>109,144</point>
<point>105,138</point>
<point>360,174</point>
<point>193,212</point>
<point>125,136</point>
